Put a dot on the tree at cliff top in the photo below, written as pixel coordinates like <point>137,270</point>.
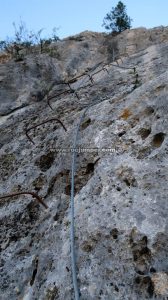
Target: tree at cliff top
<point>117,19</point>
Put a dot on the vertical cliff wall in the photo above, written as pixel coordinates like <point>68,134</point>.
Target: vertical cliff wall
<point>121,177</point>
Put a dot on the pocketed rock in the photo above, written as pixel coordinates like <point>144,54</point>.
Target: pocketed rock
<point>121,215</point>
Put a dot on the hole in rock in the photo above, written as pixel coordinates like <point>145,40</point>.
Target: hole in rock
<point>144,132</point>
<point>90,168</point>
<point>34,272</point>
<point>118,189</point>
<point>114,233</point>
<point>45,161</point>
<point>121,133</point>
<point>149,110</point>
<point>152,270</point>
<point>86,123</point>
<point>158,139</point>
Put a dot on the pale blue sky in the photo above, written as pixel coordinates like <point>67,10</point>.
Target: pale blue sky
<point>74,16</point>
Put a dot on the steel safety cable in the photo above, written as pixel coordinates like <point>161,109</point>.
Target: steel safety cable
<point>73,167</point>
<point>72,227</point>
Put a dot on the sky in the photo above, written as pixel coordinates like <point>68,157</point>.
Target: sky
<point>75,16</point>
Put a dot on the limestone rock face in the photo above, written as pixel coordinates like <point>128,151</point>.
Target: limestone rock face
<point>121,178</point>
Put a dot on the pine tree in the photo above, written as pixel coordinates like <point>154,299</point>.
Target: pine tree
<point>117,19</point>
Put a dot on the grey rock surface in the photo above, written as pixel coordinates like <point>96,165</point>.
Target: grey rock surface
<point>121,173</point>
